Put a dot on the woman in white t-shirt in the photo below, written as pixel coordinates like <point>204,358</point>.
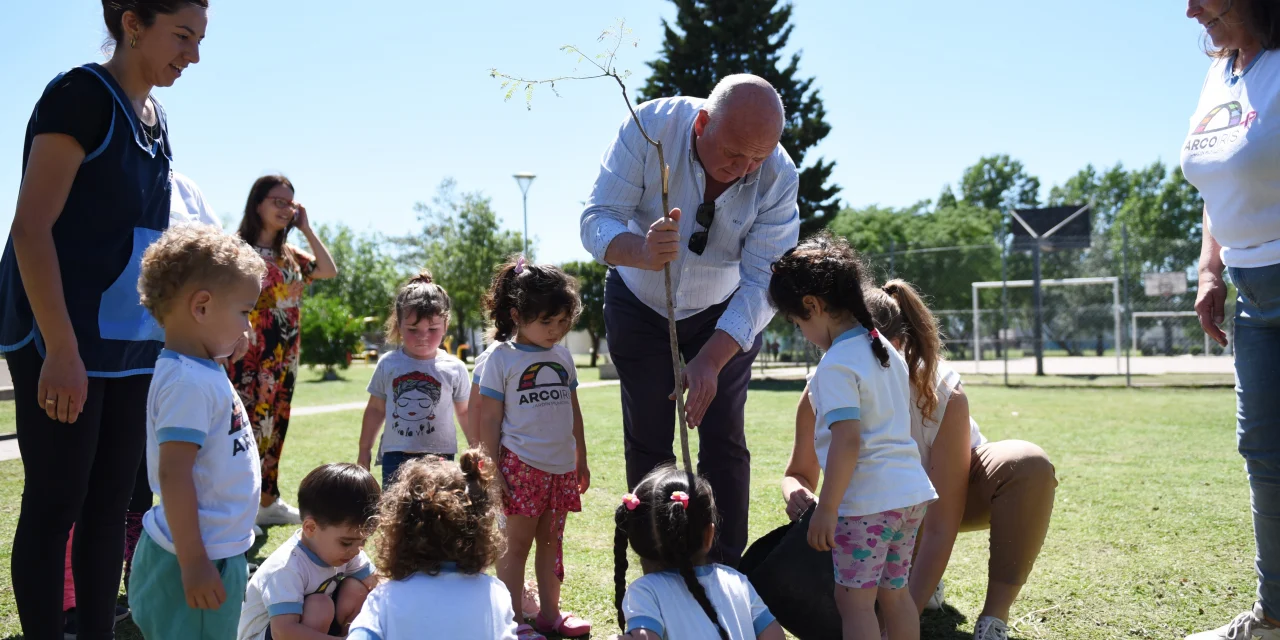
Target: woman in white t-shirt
<point>1232,156</point>
<point>1007,486</point>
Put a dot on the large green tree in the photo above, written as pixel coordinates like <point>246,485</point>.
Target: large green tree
<point>461,242</point>
<point>711,39</point>
<point>590,277</point>
<point>368,272</point>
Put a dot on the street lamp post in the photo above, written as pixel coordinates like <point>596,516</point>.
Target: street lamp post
<point>524,179</point>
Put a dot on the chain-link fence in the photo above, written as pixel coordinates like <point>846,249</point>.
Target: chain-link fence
<point>1099,322</point>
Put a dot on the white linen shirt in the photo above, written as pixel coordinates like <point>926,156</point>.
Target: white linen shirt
<point>756,221</point>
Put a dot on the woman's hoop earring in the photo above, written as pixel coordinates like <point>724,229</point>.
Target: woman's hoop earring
<point>133,43</point>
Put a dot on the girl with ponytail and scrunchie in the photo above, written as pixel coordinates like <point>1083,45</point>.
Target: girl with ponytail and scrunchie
<point>438,534</point>
<point>670,524</point>
<point>874,490</point>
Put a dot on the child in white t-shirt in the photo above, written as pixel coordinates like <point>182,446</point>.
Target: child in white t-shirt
<point>874,489</point>
<point>438,533</point>
<point>530,420</point>
<point>316,581</point>
<point>671,525</point>
<point>423,386</point>
<point>189,568</point>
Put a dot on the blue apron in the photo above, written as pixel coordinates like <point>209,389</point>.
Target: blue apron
<point>118,206</point>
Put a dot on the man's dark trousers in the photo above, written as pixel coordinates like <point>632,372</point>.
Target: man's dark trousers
<point>639,347</point>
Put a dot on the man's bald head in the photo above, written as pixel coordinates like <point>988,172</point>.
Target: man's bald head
<point>747,103</point>
<point>739,127</point>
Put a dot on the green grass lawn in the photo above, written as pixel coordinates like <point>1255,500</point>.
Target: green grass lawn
<point>1151,533</point>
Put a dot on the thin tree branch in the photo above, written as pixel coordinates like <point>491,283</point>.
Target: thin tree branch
<point>608,70</point>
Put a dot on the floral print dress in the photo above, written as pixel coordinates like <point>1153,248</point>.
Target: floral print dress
<point>265,377</point>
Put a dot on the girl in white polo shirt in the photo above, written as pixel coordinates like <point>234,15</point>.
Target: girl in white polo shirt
<point>874,489</point>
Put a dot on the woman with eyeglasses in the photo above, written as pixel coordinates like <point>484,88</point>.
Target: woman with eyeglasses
<point>265,376</point>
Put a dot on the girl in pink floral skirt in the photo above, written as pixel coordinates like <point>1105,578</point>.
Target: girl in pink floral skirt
<point>531,424</point>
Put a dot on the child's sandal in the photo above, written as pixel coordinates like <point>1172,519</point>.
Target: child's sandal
<point>567,625</point>
<point>526,632</point>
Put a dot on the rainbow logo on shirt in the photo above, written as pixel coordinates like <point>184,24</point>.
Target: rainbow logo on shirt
<point>529,379</point>
<point>1234,114</point>
<point>543,384</point>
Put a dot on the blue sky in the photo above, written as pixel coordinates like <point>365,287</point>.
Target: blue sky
<point>368,106</point>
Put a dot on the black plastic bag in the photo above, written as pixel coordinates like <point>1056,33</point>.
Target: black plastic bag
<point>796,581</point>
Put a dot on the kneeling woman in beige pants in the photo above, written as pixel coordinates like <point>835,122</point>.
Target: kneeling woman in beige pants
<point>1006,486</point>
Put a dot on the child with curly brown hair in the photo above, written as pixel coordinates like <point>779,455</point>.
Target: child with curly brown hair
<point>438,527</point>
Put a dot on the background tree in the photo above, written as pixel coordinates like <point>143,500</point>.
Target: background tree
<point>999,183</point>
<point>329,334</point>
<point>590,277</point>
<point>461,242</point>
<point>368,272</point>
<point>715,38</point>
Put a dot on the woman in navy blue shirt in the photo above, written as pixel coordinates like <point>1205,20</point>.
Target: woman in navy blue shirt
<point>80,348</point>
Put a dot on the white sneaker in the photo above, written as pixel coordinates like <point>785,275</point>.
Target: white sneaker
<point>989,628</point>
<point>1250,625</point>
<point>278,512</point>
<point>258,532</point>
<point>936,600</point>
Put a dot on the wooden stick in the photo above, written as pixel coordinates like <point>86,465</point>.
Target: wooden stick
<point>676,365</point>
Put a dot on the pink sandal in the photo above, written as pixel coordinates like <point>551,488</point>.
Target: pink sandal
<point>567,625</point>
<point>526,632</point>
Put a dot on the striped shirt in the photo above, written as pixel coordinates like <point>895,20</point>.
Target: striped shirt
<point>756,219</point>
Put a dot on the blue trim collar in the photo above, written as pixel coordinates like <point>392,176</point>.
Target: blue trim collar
<point>311,555</point>
<point>529,348</point>
<point>170,354</point>
<point>1231,77</point>
<point>852,333</point>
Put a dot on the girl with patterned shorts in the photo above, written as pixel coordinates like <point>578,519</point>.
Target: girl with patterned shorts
<point>531,423</point>
<point>874,489</point>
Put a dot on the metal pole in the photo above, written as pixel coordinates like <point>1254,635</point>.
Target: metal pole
<point>892,266</point>
<point>526,224</point>
<point>1038,332</point>
<point>1004,305</point>
<point>1133,331</point>
<point>1124,273</point>
<point>977,334</point>
<point>1115,309</point>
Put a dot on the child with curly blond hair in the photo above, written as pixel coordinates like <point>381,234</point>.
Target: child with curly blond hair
<point>190,570</point>
<point>438,528</point>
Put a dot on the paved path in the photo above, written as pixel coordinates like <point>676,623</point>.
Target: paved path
<point>9,449</point>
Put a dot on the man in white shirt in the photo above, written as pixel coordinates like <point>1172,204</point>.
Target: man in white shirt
<point>727,166</point>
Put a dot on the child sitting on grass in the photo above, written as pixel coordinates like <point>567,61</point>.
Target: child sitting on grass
<point>189,570</point>
<point>439,532</point>
<point>314,584</point>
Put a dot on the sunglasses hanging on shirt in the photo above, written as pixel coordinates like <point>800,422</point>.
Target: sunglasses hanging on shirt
<point>706,214</point>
